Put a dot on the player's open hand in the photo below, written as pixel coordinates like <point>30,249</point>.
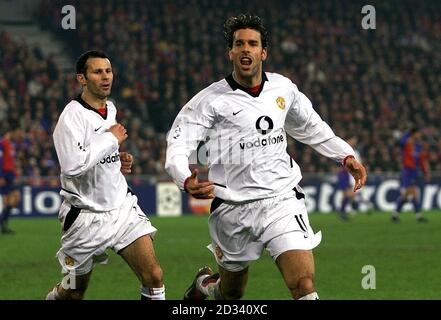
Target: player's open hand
<point>199,190</point>
<point>358,171</point>
<point>126,162</point>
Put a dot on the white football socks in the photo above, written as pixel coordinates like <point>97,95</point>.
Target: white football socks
<point>153,293</point>
<point>311,296</point>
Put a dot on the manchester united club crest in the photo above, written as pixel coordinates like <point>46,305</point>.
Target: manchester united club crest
<point>280,102</point>
<point>219,253</point>
<point>69,261</point>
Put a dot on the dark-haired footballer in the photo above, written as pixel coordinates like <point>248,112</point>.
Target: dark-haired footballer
<point>99,210</point>
<point>257,202</point>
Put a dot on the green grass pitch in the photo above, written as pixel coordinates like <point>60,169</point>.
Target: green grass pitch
<point>405,255</point>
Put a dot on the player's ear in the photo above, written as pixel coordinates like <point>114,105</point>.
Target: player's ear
<point>81,79</point>
<point>230,54</point>
<point>264,54</point>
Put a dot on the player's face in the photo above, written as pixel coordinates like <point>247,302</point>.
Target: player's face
<point>247,53</point>
<point>99,77</point>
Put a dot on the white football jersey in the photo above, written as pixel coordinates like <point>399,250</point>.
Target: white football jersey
<point>245,135</point>
<point>89,158</point>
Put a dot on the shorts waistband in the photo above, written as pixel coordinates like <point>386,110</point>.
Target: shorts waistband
<point>218,201</point>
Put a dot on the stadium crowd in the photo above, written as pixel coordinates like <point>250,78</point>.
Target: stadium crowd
<point>374,84</point>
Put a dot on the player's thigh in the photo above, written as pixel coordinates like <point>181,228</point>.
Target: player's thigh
<point>295,265</point>
<point>233,283</point>
<point>140,256</point>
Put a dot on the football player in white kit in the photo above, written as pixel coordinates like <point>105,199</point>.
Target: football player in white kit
<point>254,182</point>
<point>99,211</point>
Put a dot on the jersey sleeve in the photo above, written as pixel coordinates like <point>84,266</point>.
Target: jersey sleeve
<point>189,128</point>
<point>77,153</point>
<point>304,124</point>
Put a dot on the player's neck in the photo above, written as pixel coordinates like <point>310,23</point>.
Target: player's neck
<point>93,101</point>
<point>246,82</point>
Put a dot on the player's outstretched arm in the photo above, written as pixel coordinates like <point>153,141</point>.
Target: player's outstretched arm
<point>357,170</point>
<point>199,190</point>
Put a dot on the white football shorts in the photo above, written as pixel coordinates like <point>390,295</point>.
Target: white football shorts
<point>240,232</point>
<point>87,234</point>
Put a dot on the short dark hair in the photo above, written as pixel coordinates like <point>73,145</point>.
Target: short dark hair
<point>244,21</point>
<point>82,60</point>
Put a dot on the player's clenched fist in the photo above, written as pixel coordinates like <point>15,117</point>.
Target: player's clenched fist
<point>199,190</point>
<point>126,162</point>
<point>119,132</point>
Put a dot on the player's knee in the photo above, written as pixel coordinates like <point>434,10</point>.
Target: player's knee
<point>305,286</point>
<point>152,277</point>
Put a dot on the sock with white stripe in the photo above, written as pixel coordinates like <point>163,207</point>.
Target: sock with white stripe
<point>153,293</point>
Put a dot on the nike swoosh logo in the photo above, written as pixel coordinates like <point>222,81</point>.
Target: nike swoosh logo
<point>97,129</point>
<point>234,113</point>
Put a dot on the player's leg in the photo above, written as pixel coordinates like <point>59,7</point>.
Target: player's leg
<point>13,201</point>
<point>297,268</point>
<point>404,197</point>
<point>232,284</point>
<point>70,288</point>
<point>140,256</point>
<point>290,241</point>
<point>4,217</point>
<point>408,180</point>
<point>355,202</point>
<point>404,194</point>
<point>80,249</point>
<point>416,202</point>
<point>346,199</point>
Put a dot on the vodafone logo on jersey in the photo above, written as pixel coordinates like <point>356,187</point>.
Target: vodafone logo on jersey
<point>264,125</point>
<point>262,142</point>
<point>110,159</point>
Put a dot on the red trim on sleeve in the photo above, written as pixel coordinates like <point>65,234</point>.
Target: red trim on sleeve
<point>346,158</point>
